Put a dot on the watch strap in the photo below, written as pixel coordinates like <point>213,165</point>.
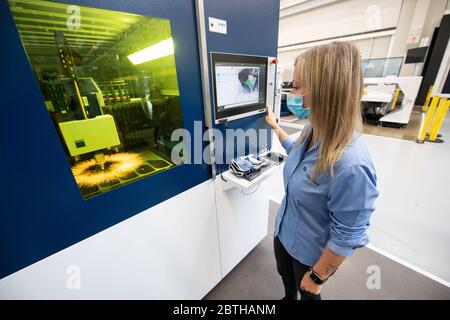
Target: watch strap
<point>315,277</point>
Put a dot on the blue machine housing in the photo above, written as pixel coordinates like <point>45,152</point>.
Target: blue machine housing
<point>42,210</point>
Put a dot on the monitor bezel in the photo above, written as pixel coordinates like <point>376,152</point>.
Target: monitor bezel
<point>411,59</point>
<point>238,112</point>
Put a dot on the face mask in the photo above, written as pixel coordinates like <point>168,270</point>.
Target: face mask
<point>295,105</point>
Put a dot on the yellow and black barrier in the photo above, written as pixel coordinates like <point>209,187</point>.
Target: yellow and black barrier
<point>435,115</point>
<point>427,100</point>
<point>397,94</point>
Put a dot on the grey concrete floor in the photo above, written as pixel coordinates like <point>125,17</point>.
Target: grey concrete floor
<point>256,278</point>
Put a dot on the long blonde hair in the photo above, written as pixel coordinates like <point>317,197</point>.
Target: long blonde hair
<point>331,74</point>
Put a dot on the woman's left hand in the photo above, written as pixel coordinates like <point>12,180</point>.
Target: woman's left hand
<point>310,286</point>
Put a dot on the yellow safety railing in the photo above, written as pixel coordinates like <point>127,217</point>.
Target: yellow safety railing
<point>438,119</point>
<point>397,94</point>
<point>433,120</point>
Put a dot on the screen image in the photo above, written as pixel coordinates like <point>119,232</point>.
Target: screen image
<point>239,84</point>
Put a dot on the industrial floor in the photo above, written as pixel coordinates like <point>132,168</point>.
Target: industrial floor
<point>410,132</point>
<point>256,277</point>
<point>412,223</point>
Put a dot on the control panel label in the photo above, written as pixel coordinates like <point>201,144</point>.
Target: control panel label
<point>217,25</point>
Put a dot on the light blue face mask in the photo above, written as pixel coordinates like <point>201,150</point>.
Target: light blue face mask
<point>295,105</point>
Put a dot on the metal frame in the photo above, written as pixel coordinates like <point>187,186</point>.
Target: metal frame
<point>203,51</point>
<point>249,113</point>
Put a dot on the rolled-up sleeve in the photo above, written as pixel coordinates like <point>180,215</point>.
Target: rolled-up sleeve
<point>288,143</point>
<point>351,202</point>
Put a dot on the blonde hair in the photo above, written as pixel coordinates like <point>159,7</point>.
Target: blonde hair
<point>331,75</point>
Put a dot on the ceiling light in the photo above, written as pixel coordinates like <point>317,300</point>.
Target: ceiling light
<point>156,51</point>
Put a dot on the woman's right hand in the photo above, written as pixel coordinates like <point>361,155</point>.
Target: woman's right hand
<point>270,118</point>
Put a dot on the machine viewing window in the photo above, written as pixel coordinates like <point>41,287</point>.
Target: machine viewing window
<point>239,84</point>
<point>109,82</point>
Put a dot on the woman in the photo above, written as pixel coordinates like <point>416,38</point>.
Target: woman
<point>329,178</point>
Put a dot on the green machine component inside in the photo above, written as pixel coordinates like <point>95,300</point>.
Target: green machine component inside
<point>89,135</point>
<point>109,83</point>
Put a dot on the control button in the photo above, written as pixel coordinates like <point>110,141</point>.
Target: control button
<point>304,169</point>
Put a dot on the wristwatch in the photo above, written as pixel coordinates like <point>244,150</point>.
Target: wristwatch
<point>315,277</point>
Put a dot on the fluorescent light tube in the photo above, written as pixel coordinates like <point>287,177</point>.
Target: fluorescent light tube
<point>156,51</point>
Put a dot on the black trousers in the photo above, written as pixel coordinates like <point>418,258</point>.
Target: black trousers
<point>291,272</point>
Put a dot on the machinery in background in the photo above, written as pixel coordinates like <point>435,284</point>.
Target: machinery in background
<point>103,128</point>
<point>115,91</point>
<point>112,148</point>
<point>111,116</point>
<point>378,100</point>
<point>77,112</point>
<point>61,96</point>
<point>76,107</point>
<point>389,101</point>
<point>89,135</point>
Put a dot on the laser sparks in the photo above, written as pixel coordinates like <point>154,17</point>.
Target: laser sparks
<point>89,173</point>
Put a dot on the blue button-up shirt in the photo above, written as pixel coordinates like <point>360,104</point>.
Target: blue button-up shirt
<point>331,212</point>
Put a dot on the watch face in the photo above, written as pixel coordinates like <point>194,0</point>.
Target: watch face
<point>316,278</point>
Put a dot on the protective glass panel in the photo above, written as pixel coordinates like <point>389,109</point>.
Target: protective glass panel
<point>109,82</point>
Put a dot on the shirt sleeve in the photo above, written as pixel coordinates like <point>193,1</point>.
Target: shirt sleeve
<point>288,143</point>
<point>351,202</point>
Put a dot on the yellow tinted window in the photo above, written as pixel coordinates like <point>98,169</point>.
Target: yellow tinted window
<point>109,83</point>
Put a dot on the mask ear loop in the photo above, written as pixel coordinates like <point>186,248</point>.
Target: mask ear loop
<point>303,96</point>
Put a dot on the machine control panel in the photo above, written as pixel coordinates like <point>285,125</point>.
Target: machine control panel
<point>243,85</point>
